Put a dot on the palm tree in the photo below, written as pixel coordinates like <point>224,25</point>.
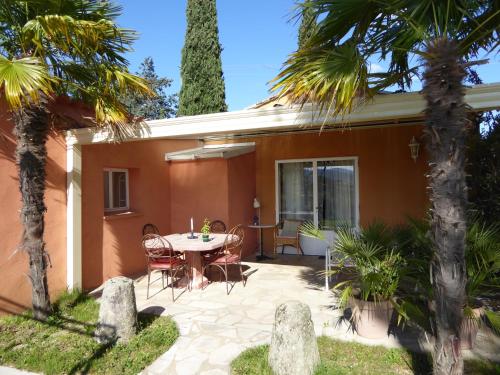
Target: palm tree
<point>430,39</point>
<point>52,48</point>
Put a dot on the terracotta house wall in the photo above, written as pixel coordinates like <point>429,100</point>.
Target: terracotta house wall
<point>391,184</point>
<point>220,189</point>
<point>15,287</point>
<point>199,189</point>
<point>111,244</point>
<point>242,191</point>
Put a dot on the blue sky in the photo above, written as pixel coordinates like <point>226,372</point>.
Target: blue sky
<point>256,36</point>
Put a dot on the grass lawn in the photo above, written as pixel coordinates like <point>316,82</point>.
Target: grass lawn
<point>64,344</point>
<point>339,358</point>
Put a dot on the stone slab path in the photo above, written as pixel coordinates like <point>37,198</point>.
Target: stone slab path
<point>216,327</point>
<point>13,371</point>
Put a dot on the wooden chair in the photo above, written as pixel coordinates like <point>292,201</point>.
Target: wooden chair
<point>160,256</point>
<point>217,226</point>
<point>230,254</point>
<point>287,233</point>
<point>150,229</point>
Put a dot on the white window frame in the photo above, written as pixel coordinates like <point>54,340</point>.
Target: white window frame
<point>110,192</point>
<point>314,162</point>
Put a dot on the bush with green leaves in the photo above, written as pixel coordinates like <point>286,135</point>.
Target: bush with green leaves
<point>369,261</point>
<point>482,254</point>
<point>393,263</point>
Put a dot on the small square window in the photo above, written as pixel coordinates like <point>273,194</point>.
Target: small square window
<point>116,196</point>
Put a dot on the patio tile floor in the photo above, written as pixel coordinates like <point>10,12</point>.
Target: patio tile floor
<point>215,327</point>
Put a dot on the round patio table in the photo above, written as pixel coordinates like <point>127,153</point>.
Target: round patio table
<point>193,248</point>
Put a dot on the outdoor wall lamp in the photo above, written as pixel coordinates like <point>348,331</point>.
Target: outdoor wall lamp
<point>256,205</point>
<point>414,148</point>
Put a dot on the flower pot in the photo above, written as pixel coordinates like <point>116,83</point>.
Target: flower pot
<point>205,237</point>
<point>469,329</point>
<point>371,319</point>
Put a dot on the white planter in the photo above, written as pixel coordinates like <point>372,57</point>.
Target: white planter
<point>371,320</point>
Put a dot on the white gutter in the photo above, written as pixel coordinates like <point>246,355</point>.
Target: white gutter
<point>386,107</point>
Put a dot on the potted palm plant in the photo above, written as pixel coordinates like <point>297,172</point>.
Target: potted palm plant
<point>482,255</point>
<point>370,269</point>
<point>205,230</point>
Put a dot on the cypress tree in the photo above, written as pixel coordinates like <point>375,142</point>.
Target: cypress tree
<point>307,24</point>
<point>202,89</point>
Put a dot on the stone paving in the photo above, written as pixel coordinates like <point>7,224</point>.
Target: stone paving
<point>216,327</point>
<point>4,370</point>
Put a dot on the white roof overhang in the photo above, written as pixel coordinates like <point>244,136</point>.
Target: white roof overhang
<point>225,151</point>
<point>388,108</point>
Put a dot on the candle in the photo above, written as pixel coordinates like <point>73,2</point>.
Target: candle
<point>192,225</point>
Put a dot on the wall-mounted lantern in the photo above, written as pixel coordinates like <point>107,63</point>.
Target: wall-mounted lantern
<point>414,148</point>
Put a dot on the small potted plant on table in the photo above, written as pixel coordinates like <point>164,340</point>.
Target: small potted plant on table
<point>205,231</point>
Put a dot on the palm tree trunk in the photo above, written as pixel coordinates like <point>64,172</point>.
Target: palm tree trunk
<point>446,120</point>
<point>31,129</point>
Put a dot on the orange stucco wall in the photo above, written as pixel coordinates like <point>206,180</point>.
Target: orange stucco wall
<point>199,189</point>
<point>220,189</point>
<point>111,244</point>
<point>242,191</point>
<point>391,184</point>
<point>15,287</point>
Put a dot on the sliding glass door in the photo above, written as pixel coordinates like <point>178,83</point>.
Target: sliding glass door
<point>336,194</point>
<point>322,191</point>
<point>296,191</point>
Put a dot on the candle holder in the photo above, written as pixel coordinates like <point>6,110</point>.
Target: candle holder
<point>192,236</point>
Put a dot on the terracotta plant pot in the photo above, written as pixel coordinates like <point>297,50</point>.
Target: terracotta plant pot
<point>470,328</point>
<point>371,320</point>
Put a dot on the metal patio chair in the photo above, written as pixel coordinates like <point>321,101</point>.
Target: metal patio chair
<point>150,229</point>
<point>229,255</point>
<point>217,226</point>
<point>160,256</point>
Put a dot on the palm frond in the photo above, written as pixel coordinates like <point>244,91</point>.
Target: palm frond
<point>335,78</point>
<point>308,229</point>
<point>76,49</point>
<point>114,117</point>
<point>23,80</point>
<point>330,70</point>
<point>345,295</point>
<point>84,39</point>
<point>124,81</point>
<point>493,320</point>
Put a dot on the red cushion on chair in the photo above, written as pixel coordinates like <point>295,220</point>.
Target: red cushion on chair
<point>232,258</point>
<point>165,263</point>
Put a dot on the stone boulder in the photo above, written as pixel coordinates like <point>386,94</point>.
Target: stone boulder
<point>294,349</point>
<point>118,312</point>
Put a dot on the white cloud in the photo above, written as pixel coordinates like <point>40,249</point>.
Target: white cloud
<point>375,68</point>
